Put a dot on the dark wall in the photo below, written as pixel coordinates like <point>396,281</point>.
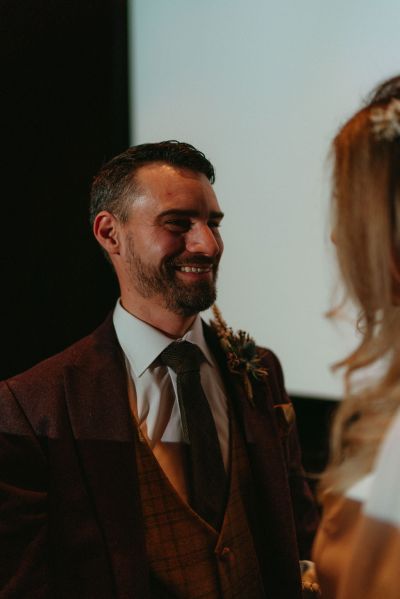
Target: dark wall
<point>314,420</point>
<point>64,111</point>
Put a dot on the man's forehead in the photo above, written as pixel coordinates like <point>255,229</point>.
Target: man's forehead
<point>164,170</point>
<point>175,189</point>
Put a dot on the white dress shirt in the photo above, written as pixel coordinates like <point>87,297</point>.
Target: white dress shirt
<point>157,407</point>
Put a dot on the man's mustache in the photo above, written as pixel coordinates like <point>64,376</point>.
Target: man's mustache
<point>194,259</point>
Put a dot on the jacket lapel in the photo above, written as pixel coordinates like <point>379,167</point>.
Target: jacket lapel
<point>273,527</point>
<point>97,402</point>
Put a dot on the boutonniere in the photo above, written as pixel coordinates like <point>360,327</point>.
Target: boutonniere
<point>242,354</point>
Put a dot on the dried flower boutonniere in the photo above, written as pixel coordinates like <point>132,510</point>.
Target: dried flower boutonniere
<point>243,356</point>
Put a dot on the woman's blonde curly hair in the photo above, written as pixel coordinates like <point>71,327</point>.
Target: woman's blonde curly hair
<point>366,225</point>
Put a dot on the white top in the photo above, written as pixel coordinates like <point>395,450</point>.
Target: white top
<point>383,502</point>
<point>155,385</point>
<point>379,491</point>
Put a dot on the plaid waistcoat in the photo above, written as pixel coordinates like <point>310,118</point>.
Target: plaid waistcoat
<point>188,558</point>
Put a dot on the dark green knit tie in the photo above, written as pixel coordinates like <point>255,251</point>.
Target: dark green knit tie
<point>207,478</point>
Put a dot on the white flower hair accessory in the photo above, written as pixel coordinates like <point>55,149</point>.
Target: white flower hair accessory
<point>386,121</point>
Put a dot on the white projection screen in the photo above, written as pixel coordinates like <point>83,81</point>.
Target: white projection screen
<point>260,87</point>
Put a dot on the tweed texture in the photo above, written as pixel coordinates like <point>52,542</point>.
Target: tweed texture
<point>188,557</point>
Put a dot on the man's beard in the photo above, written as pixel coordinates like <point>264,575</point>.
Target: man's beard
<point>185,299</point>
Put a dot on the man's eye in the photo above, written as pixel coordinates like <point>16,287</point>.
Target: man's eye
<point>214,224</point>
<point>178,225</point>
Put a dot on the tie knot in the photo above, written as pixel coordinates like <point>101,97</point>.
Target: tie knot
<point>182,356</point>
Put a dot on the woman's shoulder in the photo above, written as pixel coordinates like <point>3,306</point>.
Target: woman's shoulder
<point>384,496</point>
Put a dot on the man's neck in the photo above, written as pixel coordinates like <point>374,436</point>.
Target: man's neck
<point>169,323</point>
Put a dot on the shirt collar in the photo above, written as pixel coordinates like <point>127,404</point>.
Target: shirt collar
<point>142,343</point>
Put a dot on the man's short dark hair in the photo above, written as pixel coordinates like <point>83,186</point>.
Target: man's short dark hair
<point>114,186</point>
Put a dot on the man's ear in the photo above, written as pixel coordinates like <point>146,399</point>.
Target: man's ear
<point>105,229</point>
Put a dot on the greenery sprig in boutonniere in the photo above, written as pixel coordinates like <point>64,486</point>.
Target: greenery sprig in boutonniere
<point>243,356</point>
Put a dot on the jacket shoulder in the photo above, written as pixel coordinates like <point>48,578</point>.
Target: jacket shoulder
<point>275,376</point>
<point>49,374</point>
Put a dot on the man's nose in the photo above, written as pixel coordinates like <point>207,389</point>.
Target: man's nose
<point>202,240</point>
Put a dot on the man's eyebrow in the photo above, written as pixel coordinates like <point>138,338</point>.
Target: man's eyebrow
<point>182,212</point>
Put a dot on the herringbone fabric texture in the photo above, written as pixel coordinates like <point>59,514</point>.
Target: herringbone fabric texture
<point>207,477</point>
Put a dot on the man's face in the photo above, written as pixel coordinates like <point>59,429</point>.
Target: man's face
<point>172,245</point>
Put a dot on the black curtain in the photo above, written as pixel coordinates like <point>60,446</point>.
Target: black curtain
<point>64,111</point>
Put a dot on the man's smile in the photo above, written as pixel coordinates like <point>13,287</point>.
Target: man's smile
<point>195,269</point>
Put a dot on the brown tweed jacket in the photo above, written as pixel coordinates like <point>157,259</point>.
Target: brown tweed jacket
<point>70,514</point>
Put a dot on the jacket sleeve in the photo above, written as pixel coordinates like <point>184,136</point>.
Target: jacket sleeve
<point>23,495</point>
<point>305,511</point>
